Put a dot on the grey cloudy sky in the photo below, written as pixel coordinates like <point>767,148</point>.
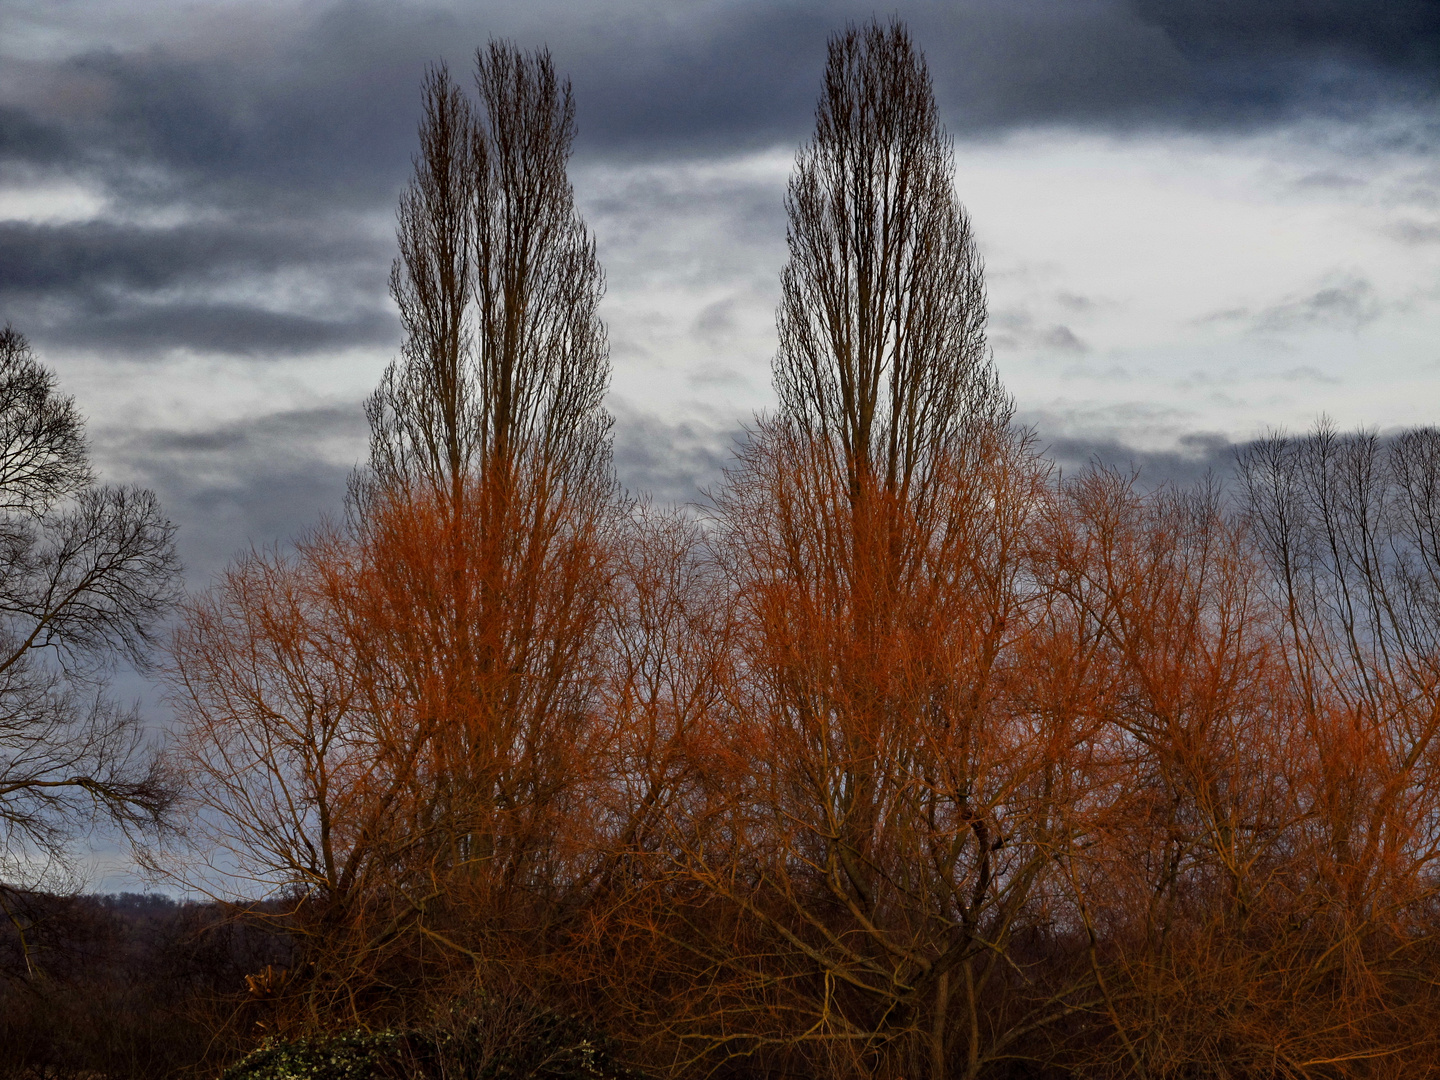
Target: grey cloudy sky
<point>1200,219</point>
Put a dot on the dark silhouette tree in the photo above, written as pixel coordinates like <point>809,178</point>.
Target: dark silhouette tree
<point>505,363</point>
<point>883,363</point>
<point>85,572</point>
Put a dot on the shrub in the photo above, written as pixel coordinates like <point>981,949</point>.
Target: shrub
<point>356,1055</point>
<point>476,1039</point>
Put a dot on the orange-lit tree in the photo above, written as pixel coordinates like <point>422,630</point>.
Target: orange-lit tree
<point>869,850</point>
<point>1186,808</point>
<point>300,779</point>
<point>488,513</point>
<point>1257,874</point>
<point>451,631</point>
<point>1349,529</point>
<point>910,760</point>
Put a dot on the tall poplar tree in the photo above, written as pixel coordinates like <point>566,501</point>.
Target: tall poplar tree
<point>888,827</point>
<point>488,503</point>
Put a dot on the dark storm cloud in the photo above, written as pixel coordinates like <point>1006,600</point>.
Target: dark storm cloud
<point>748,74</point>
<point>329,107</point>
<point>1194,458</point>
<point>327,111</point>
<point>733,75</point>
<point>134,288</point>
<point>1246,63</point>
<point>289,130</point>
<point>671,463</point>
<point>233,329</point>
<point>255,483</point>
<point>292,436</point>
<point>25,139</point>
<point>1400,35</point>
<point>83,257</point>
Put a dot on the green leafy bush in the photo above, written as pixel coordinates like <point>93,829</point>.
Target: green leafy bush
<point>503,1041</point>
<point>356,1055</point>
<point>479,1039</point>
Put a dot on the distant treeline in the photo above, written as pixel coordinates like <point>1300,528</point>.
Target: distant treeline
<point>126,986</point>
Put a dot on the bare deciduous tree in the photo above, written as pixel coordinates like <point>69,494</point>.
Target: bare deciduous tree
<point>42,441</point>
<point>1349,527</point>
<point>85,571</point>
<point>909,762</point>
<point>492,429</point>
<point>882,841</point>
<point>882,360</point>
<point>449,639</point>
<point>505,362</point>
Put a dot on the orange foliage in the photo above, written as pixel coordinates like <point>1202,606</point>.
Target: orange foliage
<point>910,760</point>
<point>834,785</point>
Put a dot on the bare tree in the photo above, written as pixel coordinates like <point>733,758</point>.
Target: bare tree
<point>302,769</point>
<point>85,571</point>
<point>1349,527</point>
<point>882,356</point>
<point>422,689</point>
<point>42,443</point>
<point>489,436</point>
<point>880,847</point>
<point>423,418</point>
<point>505,363</point>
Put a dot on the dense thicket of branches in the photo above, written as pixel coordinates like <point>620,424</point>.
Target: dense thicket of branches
<point>907,759</point>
